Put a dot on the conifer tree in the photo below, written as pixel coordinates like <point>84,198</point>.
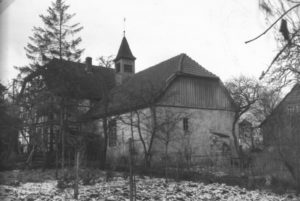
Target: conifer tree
<point>57,38</point>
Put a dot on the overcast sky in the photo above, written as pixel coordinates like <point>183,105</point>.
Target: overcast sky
<point>210,32</point>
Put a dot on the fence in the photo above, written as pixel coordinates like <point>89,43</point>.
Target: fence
<point>218,164</point>
<point>177,165</point>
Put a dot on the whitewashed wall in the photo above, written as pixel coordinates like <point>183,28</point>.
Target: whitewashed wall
<point>203,123</point>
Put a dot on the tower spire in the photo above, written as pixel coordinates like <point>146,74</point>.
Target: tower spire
<point>124,61</point>
<point>124,31</point>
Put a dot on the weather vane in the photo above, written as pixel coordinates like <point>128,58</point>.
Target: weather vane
<point>124,20</point>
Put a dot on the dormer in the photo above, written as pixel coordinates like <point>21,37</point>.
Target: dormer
<point>124,63</point>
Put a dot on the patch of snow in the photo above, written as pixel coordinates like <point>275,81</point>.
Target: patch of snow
<point>146,189</point>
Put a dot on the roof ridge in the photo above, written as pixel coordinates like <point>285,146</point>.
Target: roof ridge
<point>77,63</point>
<point>207,71</point>
<point>162,62</point>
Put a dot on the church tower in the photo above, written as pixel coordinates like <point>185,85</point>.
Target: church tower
<point>124,62</point>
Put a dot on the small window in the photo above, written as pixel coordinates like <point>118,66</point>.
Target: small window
<point>291,109</point>
<point>185,122</point>
<point>112,133</point>
<point>297,108</point>
<point>39,131</point>
<point>128,68</point>
<point>118,67</point>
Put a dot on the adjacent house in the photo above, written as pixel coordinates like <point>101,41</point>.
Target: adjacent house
<point>281,138</point>
<point>176,105</point>
<point>282,115</point>
<point>71,89</point>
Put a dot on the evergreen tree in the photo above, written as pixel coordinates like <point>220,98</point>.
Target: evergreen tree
<point>56,39</point>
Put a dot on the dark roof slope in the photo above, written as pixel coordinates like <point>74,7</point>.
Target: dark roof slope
<point>124,51</point>
<point>290,98</point>
<point>191,67</point>
<point>74,80</point>
<point>147,85</point>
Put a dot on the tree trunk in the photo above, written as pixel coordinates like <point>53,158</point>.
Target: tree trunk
<point>252,140</point>
<point>141,138</point>
<point>104,150</point>
<point>147,161</point>
<point>51,134</point>
<point>56,155</point>
<point>153,135</point>
<point>29,159</point>
<point>76,191</point>
<point>60,35</point>
<point>62,131</point>
<point>166,162</point>
<point>235,138</point>
<point>131,176</point>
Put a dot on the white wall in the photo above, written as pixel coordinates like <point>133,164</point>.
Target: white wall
<point>202,124</point>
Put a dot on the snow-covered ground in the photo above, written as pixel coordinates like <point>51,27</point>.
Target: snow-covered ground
<point>146,189</point>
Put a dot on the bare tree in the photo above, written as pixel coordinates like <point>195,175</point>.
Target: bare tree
<point>166,131</point>
<point>269,98</point>
<point>132,185</point>
<point>106,99</point>
<point>79,146</point>
<point>142,103</point>
<point>141,120</point>
<point>106,62</point>
<point>245,93</point>
<point>169,130</point>
<point>284,17</point>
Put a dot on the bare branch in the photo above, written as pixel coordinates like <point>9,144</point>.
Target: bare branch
<point>286,12</point>
<point>278,55</point>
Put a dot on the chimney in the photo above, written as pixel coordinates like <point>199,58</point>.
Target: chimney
<point>88,62</point>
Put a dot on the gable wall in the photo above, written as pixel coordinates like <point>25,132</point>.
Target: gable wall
<point>294,96</point>
<point>279,134</point>
<point>289,106</point>
<point>197,93</point>
<point>199,139</point>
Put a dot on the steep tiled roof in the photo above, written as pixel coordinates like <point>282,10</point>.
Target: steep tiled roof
<point>148,84</point>
<point>124,51</point>
<point>189,66</point>
<point>74,80</point>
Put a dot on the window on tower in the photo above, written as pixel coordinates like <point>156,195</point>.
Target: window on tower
<point>118,67</point>
<point>128,68</point>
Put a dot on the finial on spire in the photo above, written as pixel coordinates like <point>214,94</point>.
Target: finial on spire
<point>124,26</point>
